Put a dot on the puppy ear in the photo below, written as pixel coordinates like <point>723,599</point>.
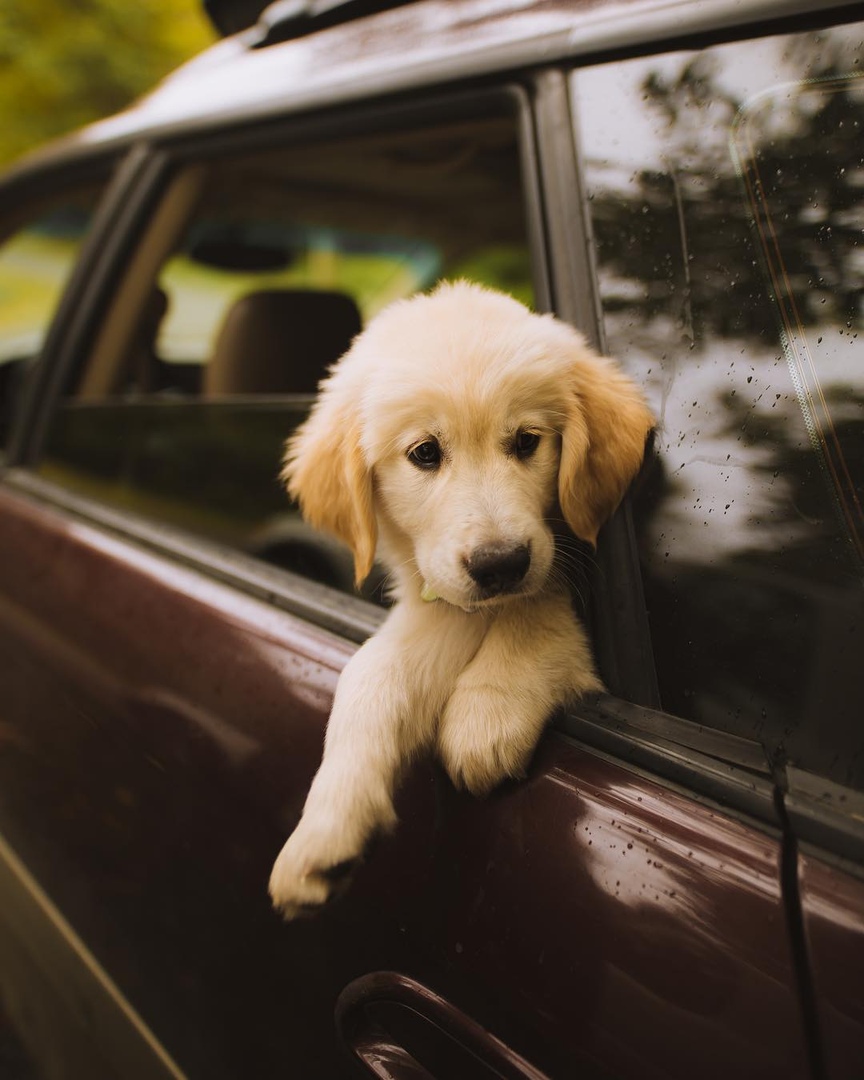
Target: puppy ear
<point>326,472</point>
<point>602,444</point>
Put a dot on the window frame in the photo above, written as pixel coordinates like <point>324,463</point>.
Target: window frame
<point>621,636</point>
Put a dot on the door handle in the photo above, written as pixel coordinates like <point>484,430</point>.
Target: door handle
<point>402,1030</point>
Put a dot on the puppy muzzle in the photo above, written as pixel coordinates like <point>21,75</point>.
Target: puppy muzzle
<point>498,569</point>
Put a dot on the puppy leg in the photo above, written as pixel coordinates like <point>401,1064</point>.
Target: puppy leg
<point>534,656</point>
<point>385,709</point>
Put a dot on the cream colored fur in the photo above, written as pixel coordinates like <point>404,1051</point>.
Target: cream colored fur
<point>469,676</point>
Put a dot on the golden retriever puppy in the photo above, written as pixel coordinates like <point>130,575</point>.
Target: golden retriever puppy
<point>452,440</point>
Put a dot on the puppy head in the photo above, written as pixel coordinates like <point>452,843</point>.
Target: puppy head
<point>454,428</point>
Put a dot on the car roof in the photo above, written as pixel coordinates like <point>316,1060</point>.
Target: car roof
<point>404,48</point>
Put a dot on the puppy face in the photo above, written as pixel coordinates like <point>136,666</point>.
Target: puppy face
<point>454,431</point>
<point>464,492</point>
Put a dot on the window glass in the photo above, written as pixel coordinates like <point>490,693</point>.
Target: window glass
<point>725,191</point>
<point>38,248</point>
<point>252,277</point>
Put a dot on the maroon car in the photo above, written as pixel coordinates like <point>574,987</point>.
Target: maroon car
<point>677,888</point>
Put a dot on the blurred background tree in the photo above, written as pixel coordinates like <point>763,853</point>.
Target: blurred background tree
<point>64,63</point>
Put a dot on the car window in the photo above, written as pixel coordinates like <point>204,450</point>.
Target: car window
<point>39,243</point>
<point>252,277</point>
<point>725,195</point>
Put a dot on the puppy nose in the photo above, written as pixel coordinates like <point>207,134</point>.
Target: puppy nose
<point>498,568</point>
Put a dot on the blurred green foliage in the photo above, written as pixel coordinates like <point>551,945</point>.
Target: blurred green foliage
<point>64,63</point>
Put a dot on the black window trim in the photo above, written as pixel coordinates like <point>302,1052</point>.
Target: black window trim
<point>826,817</point>
<point>621,635</point>
<point>604,727</point>
<point>40,181</point>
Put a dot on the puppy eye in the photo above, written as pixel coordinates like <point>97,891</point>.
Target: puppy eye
<point>525,444</point>
<point>426,455</point>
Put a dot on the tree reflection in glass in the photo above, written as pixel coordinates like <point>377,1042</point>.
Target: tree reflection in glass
<point>725,193</point>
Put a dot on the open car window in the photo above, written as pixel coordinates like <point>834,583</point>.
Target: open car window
<point>252,276</point>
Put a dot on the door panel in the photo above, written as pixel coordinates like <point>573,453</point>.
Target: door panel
<point>159,733</point>
<point>641,932</point>
<point>138,700</point>
<point>833,906</point>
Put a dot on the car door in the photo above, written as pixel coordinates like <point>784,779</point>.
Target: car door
<point>172,637</point>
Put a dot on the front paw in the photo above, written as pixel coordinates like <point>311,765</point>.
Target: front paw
<point>483,740</point>
<point>314,865</point>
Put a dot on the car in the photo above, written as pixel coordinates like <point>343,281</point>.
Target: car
<point>677,887</point>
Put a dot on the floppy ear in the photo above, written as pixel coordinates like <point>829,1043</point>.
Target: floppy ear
<point>602,444</point>
<point>326,472</point>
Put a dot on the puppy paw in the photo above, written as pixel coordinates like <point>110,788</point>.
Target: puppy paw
<point>313,866</point>
<point>482,740</point>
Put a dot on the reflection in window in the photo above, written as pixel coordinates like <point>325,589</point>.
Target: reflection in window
<point>725,192</point>
<point>252,277</point>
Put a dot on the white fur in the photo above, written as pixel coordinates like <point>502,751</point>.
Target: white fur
<point>471,676</point>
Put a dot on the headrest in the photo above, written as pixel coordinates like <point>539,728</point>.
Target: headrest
<point>280,342</point>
